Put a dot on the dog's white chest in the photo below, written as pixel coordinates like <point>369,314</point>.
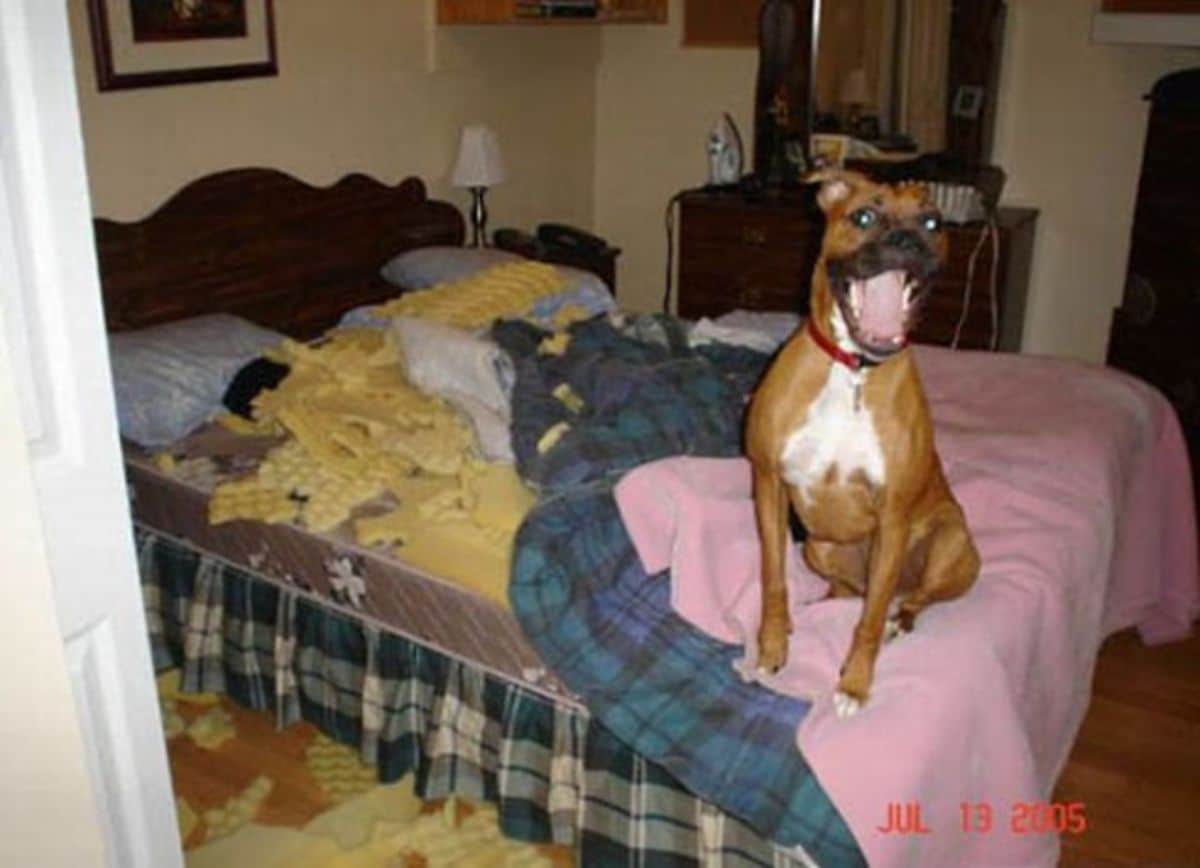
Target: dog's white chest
<point>837,432</point>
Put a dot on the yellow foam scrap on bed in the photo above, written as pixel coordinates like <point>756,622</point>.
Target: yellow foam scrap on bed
<point>570,313</point>
<point>506,290</point>
<point>553,434</point>
<point>239,810</point>
<point>354,427</point>
<point>555,345</point>
<point>501,498</point>
<point>212,729</point>
<point>245,427</point>
<point>568,397</point>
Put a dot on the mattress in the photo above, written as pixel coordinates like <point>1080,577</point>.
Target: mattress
<point>472,623</point>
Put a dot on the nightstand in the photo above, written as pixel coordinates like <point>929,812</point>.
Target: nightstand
<point>757,253</point>
<point>599,260</point>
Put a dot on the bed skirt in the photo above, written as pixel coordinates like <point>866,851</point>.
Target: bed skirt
<point>554,773</point>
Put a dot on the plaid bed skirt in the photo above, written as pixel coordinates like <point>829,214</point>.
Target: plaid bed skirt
<point>554,773</point>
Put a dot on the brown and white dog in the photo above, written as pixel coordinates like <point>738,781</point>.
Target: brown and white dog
<point>839,427</point>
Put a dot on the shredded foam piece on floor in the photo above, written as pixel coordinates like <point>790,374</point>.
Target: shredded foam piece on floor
<point>168,688</point>
<point>172,721</point>
<point>165,462</point>
<point>338,769</point>
<point>258,846</point>
<point>239,810</point>
<point>352,823</point>
<point>186,817</point>
<point>212,729</point>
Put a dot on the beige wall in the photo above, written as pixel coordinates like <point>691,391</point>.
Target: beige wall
<point>1069,133</point>
<point>655,104</point>
<point>601,126</point>
<point>364,85</point>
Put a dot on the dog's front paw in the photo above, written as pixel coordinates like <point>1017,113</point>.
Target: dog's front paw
<point>851,693</point>
<point>845,705</point>
<point>772,646</point>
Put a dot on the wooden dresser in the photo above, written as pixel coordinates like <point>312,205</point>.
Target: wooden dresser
<point>758,254</point>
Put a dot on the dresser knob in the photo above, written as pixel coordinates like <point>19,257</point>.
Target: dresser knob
<point>751,235</point>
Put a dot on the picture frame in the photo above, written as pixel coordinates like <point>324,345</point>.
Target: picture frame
<point>150,43</point>
<point>829,150</point>
<point>968,100</point>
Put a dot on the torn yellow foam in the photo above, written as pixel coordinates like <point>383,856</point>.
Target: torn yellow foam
<point>568,314</point>
<point>503,290</point>
<point>239,810</point>
<point>352,823</point>
<point>338,769</point>
<point>212,729</point>
<point>568,397</point>
<point>165,462</point>
<point>551,437</point>
<point>168,683</point>
<point>185,815</point>
<point>555,345</point>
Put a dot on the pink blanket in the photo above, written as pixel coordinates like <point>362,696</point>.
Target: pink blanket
<point>1076,487</point>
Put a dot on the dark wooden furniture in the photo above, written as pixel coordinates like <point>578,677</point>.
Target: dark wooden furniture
<point>758,254</point>
<point>268,247</point>
<point>1154,330</point>
<point>601,262</point>
<point>527,12</point>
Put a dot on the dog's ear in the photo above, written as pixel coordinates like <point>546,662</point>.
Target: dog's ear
<point>837,185</point>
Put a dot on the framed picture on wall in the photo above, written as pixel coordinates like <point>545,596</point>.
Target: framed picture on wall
<point>146,43</point>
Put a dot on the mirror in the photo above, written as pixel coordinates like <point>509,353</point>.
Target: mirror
<point>909,77</point>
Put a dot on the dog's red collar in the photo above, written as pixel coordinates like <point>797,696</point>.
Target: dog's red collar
<point>853,361</point>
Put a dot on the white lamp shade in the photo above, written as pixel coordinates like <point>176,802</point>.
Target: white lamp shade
<point>854,88</point>
<point>479,163</point>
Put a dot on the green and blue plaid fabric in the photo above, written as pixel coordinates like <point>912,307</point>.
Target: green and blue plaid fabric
<point>555,774</point>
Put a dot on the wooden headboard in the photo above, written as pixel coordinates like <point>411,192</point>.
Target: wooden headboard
<point>266,246</point>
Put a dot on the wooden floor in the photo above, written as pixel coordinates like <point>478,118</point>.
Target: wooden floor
<point>1136,762</point>
<point>1135,765</point>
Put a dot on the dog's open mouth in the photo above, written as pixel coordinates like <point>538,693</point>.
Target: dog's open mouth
<point>878,310</point>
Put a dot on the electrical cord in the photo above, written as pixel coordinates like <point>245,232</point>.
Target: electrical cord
<point>989,232</point>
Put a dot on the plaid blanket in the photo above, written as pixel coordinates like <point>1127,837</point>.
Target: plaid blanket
<point>555,773</point>
<point>605,627</point>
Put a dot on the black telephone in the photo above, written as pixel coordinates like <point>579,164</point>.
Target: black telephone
<point>569,239</point>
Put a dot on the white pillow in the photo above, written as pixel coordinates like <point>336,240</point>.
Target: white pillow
<point>169,379</point>
<point>424,267</point>
<point>473,373</point>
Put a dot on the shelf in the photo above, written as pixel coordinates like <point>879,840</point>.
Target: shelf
<point>459,12</point>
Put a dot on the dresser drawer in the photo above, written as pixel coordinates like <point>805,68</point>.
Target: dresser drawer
<point>770,228</point>
<point>758,254</point>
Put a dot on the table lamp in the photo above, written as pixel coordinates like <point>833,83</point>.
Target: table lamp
<point>479,166</point>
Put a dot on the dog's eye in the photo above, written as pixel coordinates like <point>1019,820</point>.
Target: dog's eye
<point>931,222</point>
<point>864,218</point>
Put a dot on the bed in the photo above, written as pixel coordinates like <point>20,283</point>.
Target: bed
<point>540,701</point>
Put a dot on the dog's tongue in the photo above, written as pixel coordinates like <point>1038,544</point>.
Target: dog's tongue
<point>882,311</point>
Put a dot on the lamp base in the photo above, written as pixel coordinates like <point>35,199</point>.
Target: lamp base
<point>478,217</point>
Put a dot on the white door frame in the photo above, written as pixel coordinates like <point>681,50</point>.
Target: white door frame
<point>54,334</point>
